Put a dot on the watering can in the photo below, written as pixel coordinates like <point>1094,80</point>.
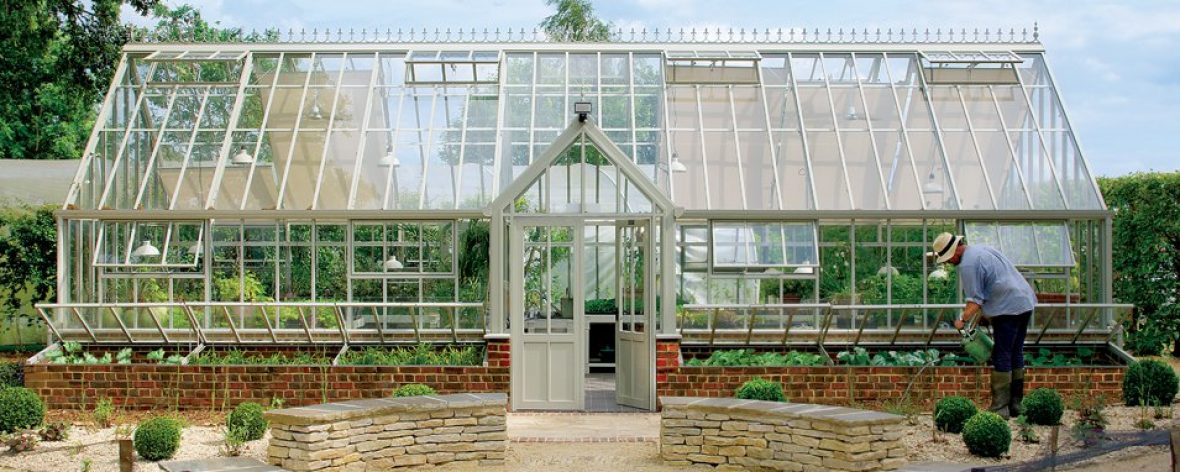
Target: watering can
<point>977,344</point>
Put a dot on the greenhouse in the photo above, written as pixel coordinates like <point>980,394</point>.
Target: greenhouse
<point>580,202</point>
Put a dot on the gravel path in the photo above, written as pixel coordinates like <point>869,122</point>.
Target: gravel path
<point>196,442</point>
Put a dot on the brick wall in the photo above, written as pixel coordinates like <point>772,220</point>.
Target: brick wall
<point>869,385</point>
<point>148,386</point>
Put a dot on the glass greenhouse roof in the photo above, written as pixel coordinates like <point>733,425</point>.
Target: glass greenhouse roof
<point>442,126</point>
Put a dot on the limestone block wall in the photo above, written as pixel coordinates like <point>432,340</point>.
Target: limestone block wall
<point>387,433</point>
<point>778,436</point>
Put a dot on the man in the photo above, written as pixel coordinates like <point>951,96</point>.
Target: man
<point>992,286</point>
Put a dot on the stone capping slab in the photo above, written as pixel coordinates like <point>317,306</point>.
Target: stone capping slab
<point>761,409</point>
<point>341,411</point>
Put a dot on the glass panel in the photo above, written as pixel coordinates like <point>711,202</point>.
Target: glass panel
<point>861,161</point>
<point>1026,244</point>
<point>830,184</point>
<point>737,245</point>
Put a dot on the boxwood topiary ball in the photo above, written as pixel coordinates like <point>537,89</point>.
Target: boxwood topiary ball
<point>951,412</point>
<point>987,435</point>
<point>761,389</point>
<point>157,439</point>
<point>413,390</point>
<point>1043,406</point>
<point>20,408</point>
<point>1149,382</point>
<point>247,419</point>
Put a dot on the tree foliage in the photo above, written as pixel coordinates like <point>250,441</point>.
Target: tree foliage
<point>28,261</point>
<point>1146,243</point>
<point>574,21</point>
<point>59,56</point>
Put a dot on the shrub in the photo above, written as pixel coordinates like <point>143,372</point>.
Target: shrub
<point>951,412</point>
<point>761,389</point>
<point>987,435</point>
<point>1043,406</point>
<point>11,374</point>
<point>413,390</point>
<point>248,421</point>
<point>104,411</point>
<point>20,408</point>
<point>1149,382</point>
<point>235,442</point>
<point>158,438</point>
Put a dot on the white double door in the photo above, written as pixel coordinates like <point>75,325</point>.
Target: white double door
<point>548,285</point>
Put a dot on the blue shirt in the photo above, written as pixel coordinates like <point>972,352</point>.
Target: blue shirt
<point>990,280</point>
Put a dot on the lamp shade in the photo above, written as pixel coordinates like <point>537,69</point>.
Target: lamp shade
<point>888,269</point>
<point>146,249</point>
<point>242,157</point>
<point>677,166</point>
<point>931,185</point>
<point>938,274</point>
<point>805,269</point>
<point>392,264</point>
<point>196,249</point>
<point>389,159</point>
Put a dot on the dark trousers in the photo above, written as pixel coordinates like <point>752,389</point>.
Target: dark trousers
<point>1009,332</point>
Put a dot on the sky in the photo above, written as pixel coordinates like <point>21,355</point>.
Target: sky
<point>1116,62</point>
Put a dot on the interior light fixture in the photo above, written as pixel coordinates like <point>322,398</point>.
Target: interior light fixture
<point>314,111</point>
<point>242,158</point>
<point>938,274</point>
<point>888,269</point>
<point>805,269</point>
<point>772,271</point>
<point>851,114</point>
<point>145,249</point>
<point>932,185</point>
<point>389,159</point>
<point>196,249</point>
<point>392,263</point>
<point>677,166</point>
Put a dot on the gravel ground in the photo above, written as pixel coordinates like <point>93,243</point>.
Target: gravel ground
<point>196,442</point>
<point>203,439</point>
<point>924,445</point>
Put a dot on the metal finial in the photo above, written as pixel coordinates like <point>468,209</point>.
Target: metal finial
<point>1036,31</point>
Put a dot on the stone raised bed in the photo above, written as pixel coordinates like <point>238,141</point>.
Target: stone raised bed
<point>386,433</point>
<point>778,436</point>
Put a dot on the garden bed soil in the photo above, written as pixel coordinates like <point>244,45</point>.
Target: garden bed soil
<point>950,447</point>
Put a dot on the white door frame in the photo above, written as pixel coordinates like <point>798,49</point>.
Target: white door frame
<point>637,391</point>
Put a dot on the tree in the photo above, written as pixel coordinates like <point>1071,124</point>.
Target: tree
<point>28,263</point>
<point>59,56</point>
<point>184,23</point>
<point>574,21</point>
<point>1146,208</point>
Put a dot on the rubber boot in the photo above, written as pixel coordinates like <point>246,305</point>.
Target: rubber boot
<point>1017,395</point>
<point>1001,393</point>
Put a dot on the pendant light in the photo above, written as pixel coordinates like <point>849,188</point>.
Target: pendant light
<point>196,249</point>
<point>932,185</point>
<point>677,166</point>
<point>392,264</point>
<point>389,159</point>
<point>146,249</point>
<point>939,274</point>
<point>772,271</point>
<point>851,114</point>
<point>242,158</point>
<point>314,111</point>
<point>805,269</point>
<point>888,269</point>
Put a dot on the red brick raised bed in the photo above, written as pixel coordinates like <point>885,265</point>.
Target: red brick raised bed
<point>845,385</point>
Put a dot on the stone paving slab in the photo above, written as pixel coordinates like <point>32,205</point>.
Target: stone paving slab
<point>587,428</point>
<point>219,464</point>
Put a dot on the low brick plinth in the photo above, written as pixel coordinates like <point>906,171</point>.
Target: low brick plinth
<point>386,433</point>
<point>778,436</point>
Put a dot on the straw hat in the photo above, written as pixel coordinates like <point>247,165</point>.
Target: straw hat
<point>944,247</point>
